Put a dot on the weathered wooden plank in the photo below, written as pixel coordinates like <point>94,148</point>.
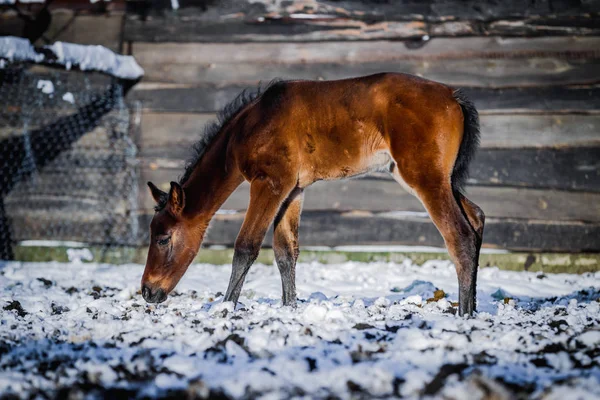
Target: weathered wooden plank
<point>108,205</point>
<point>170,135</point>
<point>570,168</point>
<point>326,228</point>
<point>368,11</point>
<point>558,130</point>
<point>456,72</point>
<point>380,195</point>
<point>82,226</point>
<point>158,55</point>
<point>563,168</point>
<point>79,183</point>
<point>204,98</point>
<point>578,99</point>
<point>244,23</point>
<point>330,228</point>
<point>490,62</point>
<point>68,26</point>
<point>93,159</point>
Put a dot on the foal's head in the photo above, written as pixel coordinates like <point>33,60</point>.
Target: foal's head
<point>174,242</point>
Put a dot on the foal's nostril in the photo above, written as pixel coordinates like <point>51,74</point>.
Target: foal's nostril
<point>160,296</point>
<point>146,293</point>
<point>153,297</point>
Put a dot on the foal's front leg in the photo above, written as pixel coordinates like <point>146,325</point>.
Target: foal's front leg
<point>285,244</point>
<point>266,197</point>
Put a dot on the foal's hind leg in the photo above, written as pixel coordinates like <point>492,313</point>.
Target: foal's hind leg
<point>266,197</point>
<point>476,218</point>
<point>461,239</point>
<point>474,214</point>
<point>285,243</point>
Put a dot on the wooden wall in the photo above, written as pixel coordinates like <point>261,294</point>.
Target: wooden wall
<point>531,67</point>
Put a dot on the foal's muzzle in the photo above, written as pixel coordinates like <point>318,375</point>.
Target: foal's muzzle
<point>153,296</point>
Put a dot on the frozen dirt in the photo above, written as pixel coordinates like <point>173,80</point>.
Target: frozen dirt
<point>359,331</point>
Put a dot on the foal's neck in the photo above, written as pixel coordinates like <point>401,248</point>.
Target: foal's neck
<point>212,181</point>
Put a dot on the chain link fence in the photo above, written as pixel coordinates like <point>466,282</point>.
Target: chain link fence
<point>67,160</point>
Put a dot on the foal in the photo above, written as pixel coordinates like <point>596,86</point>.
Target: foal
<point>298,132</point>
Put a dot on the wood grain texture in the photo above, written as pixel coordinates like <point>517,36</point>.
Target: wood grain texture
<point>322,228</point>
<point>330,228</point>
<point>170,135</point>
<point>456,72</point>
<point>487,62</point>
<point>367,10</point>
<point>69,26</point>
<point>378,195</point>
<point>154,55</point>
<point>522,131</point>
<point>228,21</point>
<point>210,98</point>
<point>561,168</point>
<point>171,30</point>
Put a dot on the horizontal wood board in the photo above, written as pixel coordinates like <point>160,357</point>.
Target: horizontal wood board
<point>331,228</point>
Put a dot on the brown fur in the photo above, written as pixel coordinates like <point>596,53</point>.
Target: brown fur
<point>300,132</point>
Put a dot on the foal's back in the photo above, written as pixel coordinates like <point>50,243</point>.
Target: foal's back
<point>321,130</point>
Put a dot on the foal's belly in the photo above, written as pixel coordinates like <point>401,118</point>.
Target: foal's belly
<point>339,168</point>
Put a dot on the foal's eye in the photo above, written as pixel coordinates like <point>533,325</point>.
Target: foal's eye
<point>163,241</point>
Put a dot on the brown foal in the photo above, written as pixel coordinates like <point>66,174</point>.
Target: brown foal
<point>295,133</point>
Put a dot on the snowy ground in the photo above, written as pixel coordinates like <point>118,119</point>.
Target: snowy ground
<point>360,330</point>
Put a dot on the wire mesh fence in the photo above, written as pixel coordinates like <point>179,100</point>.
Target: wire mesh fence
<point>67,160</point>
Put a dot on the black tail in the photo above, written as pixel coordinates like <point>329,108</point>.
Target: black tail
<point>469,144</point>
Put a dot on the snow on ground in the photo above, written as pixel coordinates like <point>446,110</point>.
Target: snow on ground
<point>359,331</point>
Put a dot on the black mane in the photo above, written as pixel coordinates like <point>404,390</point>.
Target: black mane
<point>212,128</point>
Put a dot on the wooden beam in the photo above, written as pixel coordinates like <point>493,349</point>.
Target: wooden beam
<point>551,130</point>
<point>170,135</point>
<point>557,99</point>
<point>82,226</point>
<point>68,25</point>
<point>508,72</point>
<point>159,55</point>
<point>210,98</point>
<point>379,195</point>
<point>365,10</point>
<point>245,20</point>
<point>326,228</point>
<point>161,29</point>
<point>491,62</point>
<point>76,183</point>
<point>330,228</point>
<point>561,168</point>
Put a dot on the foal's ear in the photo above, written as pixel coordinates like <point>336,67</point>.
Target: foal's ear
<point>176,198</point>
<point>159,196</point>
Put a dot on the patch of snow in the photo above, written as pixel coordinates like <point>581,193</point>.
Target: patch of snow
<point>14,48</point>
<point>97,58</point>
<point>50,243</point>
<point>86,58</point>
<point>359,330</point>
<point>226,212</point>
<point>76,256</point>
<point>404,214</point>
<point>399,249</point>
<point>590,338</point>
<point>68,97</point>
<point>46,86</point>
